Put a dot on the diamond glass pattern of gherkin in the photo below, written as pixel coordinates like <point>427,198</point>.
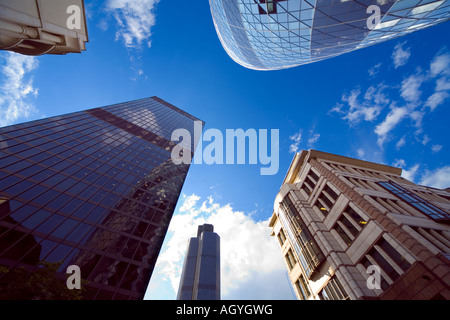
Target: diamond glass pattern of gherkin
<point>279,34</point>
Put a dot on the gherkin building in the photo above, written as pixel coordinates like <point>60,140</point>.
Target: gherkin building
<point>279,34</point>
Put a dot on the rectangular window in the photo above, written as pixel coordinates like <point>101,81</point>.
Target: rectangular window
<point>343,234</point>
<point>313,175</point>
<point>440,239</point>
<point>390,261</point>
<point>349,224</point>
<point>394,254</point>
<point>333,290</point>
<point>290,260</point>
<point>429,209</point>
<point>324,204</point>
<point>326,200</point>
<point>330,193</point>
<point>302,288</point>
<point>306,249</point>
<point>281,237</point>
<point>310,182</point>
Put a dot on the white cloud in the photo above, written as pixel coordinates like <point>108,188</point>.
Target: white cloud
<point>440,64</point>
<point>337,108</point>
<point>189,203</point>
<point>135,19</point>
<point>399,163</point>
<point>406,99</point>
<point>425,140</point>
<point>374,70</point>
<point>410,90</point>
<point>439,178</point>
<point>436,148</point>
<point>417,117</point>
<point>400,143</point>
<point>296,138</point>
<point>360,152</point>
<point>436,99</point>
<point>443,84</point>
<point>359,111</point>
<point>376,95</point>
<point>407,174</point>
<point>439,67</point>
<point>411,173</point>
<point>248,253</point>
<point>17,88</point>
<point>392,119</point>
<point>313,139</point>
<point>440,94</point>
<point>400,56</point>
<point>373,101</point>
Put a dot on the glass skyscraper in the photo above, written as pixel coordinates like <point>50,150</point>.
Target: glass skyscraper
<point>200,278</point>
<point>278,34</point>
<point>95,189</point>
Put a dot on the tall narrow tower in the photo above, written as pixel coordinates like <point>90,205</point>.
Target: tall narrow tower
<point>200,279</point>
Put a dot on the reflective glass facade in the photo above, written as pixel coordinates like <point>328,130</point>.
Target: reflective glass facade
<point>278,34</point>
<point>200,278</point>
<point>96,189</point>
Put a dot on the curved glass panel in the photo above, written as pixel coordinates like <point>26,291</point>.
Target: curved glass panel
<point>278,34</point>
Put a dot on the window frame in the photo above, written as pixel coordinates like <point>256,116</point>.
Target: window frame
<point>423,206</point>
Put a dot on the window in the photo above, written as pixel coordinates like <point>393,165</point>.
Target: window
<point>49,225</point>
<point>308,186</point>
<point>326,200</point>
<point>333,290</point>
<point>35,219</point>
<point>65,228</point>
<point>59,253</point>
<point>394,254</point>
<point>330,192</point>
<point>390,261</point>
<point>349,225</point>
<point>429,209</point>
<point>313,175</point>
<point>269,8</point>
<point>440,239</point>
<point>306,249</point>
<point>310,182</point>
<point>302,288</point>
<point>281,237</point>
<point>290,260</point>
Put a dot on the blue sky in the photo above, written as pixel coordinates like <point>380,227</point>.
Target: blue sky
<point>388,103</point>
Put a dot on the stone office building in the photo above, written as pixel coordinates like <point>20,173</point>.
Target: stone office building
<point>352,229</point>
